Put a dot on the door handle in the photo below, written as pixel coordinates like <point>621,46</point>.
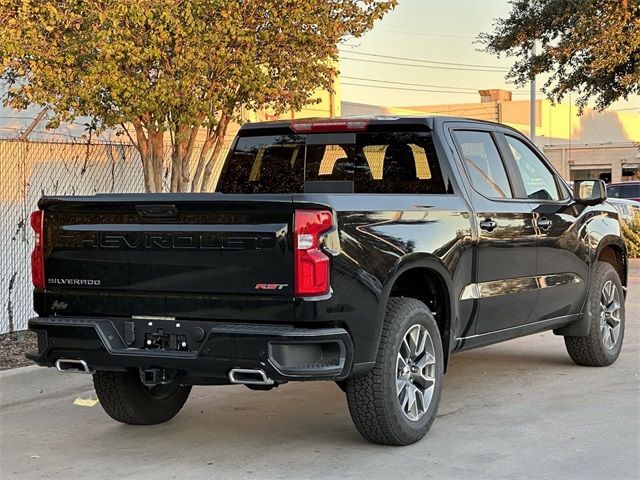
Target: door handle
<point>488,225</point>
<point>544,223</point>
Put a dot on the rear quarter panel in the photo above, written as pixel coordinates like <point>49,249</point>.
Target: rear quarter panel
<point>377,238</point>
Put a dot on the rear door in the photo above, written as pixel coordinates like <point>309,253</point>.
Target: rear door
<point>507,245</point>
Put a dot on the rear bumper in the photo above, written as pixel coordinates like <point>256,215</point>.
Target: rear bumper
<point>199,352</point>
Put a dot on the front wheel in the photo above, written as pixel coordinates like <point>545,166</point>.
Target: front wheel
<point>396,402</point>
<point>126,399</point>
<point>606,305</point>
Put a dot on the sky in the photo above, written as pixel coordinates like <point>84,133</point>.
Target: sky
<point>434,31</point>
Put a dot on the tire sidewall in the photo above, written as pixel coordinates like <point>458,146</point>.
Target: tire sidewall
<point>418,314</point>
<point>604,274</point>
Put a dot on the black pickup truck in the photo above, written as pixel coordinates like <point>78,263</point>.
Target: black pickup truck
<point>363,251</point>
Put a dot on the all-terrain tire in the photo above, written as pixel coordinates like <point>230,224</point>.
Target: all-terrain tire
<point>373,399</point>
<point>126,399</point>
<point>591,350</point>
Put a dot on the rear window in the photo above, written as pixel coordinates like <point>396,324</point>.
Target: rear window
<point>624,191</point>
<point>369,162</point>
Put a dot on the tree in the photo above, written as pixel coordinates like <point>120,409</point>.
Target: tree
<point>591,47</point>
<point>161,69</point>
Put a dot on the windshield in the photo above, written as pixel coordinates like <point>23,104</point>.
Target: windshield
<point>624,191</point>
<point>370,162</point>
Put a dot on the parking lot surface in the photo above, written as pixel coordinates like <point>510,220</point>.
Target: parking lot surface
<point>520,409</point>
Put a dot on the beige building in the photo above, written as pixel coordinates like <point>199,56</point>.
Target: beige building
<point>592,145</point>
<point>328,106</point>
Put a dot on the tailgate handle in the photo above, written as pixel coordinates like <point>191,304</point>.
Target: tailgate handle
<point>157,211</point>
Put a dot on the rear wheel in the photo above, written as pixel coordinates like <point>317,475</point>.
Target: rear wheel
<point>126,399</point>
<point>396,403</point>
<point>606,303</point>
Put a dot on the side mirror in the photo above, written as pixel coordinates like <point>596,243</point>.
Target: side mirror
<point>589,192</point>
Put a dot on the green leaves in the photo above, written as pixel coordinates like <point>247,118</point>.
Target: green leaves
<point>173,65</point>
<point>591,47</point>
<point>170,59</point>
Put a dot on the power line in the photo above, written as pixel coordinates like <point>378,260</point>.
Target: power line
<point>406,89</point>
<point>420,66</point>
<point>43,132</point>
<point>475,90</point>
<point>422,34</point>
<point>468,89</point>
<point>419,60</point>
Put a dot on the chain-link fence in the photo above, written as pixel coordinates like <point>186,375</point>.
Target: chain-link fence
<point>29,170</point>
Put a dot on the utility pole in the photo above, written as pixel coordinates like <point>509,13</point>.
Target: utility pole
<point>532,95</point>
<point>532,101</point>
<point>24,136</point>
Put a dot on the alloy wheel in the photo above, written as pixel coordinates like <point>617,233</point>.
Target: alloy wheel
<point>415,367</point>
<point>610,315</point>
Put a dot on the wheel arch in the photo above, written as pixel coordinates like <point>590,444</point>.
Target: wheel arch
<point>425,278</point>
<point>613,250</point>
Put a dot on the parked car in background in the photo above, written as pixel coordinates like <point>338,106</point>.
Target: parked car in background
<point>628,190</point>
<point>628,209</point>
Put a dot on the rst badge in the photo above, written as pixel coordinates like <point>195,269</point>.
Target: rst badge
<point>271,286</point>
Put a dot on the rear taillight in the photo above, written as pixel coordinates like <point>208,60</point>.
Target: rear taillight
<point>311,264</point>
<point>37,256</point>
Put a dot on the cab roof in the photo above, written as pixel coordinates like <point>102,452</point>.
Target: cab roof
<point>378,120</point>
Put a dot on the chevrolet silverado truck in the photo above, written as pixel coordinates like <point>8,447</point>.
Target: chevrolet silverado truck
<point>363,251</point>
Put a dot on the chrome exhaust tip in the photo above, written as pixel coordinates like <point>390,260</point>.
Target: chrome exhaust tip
<point>73,366</point>
<point>249,376</point>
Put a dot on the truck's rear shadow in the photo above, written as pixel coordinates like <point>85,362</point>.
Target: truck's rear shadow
<point>316,415</point>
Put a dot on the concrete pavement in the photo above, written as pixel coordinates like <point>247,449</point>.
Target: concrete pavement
<point>518,410</point>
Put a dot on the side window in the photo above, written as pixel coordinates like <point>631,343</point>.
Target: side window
<point>539,182</point>
<point>483,164</point>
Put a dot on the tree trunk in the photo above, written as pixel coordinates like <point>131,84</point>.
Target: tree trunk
<point>157,159</point>
<point>202,160</point>
<point>220,134</point>
<point>150,144</point>
<point>185,177</point>
<point>146,156</point>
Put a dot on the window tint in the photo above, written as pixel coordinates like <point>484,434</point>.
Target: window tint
<point>397,162</point>
<point>624,191</point>
<point>539,182</point>
<point>483,164</point>
<point>375,162</point>
<point>330,157</point>
<point>264,164</point>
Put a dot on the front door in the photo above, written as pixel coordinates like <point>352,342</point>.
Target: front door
<point>562,273</point>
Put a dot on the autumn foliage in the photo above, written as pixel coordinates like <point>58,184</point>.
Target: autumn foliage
<point>168,69</point>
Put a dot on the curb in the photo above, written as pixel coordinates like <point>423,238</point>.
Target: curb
<point>27,384</point>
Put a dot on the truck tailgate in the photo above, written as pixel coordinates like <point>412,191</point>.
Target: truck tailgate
<point>185,254</point>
